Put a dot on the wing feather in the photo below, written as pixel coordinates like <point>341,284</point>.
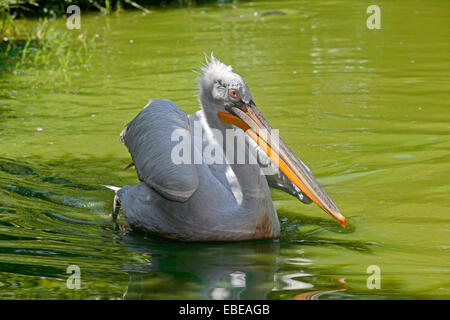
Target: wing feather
<point>148,138</point>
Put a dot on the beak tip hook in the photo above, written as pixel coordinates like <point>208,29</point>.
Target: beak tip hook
<point>343,222</point>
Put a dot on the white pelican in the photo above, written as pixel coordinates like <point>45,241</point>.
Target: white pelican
<point>222,201</point>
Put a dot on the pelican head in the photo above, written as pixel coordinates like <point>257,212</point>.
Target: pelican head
<point>220,87</point>
<point>224,95</point>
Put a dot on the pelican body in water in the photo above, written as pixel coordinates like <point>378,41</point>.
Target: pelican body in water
<point>225,200</point>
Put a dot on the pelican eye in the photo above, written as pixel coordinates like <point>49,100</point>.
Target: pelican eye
<point>234,94</point>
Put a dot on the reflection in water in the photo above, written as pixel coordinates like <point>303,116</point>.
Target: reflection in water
<point>290,283</point>
<point>218,271</point>
<point>215,270</point>
<point>315,295</point>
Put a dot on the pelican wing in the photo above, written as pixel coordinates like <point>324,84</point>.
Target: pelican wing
<point>148,138</point>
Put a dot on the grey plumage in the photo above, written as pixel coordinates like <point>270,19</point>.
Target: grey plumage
<point>214,211</point>
<point>198,202</point>
<point>148,139</point>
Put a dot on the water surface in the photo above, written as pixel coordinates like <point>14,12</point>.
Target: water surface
<point>367,110</point>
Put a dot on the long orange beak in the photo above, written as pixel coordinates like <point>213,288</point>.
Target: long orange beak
<point>248,118</point>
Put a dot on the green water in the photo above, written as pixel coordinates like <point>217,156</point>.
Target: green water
<point>367,110</point>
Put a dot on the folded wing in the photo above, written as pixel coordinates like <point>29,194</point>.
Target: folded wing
<point>148,138</point>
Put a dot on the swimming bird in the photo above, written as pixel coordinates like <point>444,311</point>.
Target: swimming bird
<point>195,184</point>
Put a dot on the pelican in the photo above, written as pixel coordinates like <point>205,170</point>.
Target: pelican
<point>225,200</point>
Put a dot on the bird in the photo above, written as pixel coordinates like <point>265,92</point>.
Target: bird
<point>194,185</point>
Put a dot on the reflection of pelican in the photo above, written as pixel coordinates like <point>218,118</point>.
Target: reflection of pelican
<point>219,201</point>
<point>315,295</point>
<point>215,271</point>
